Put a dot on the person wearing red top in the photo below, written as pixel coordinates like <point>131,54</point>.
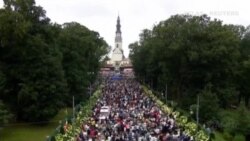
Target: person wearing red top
<point>92,133</point>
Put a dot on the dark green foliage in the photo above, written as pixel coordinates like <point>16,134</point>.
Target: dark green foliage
<point>189,53</point>
<point>236,121</point>
<point>43,64</point>
<point>209,105</point>
<point>5,115</point>
<point>31,63</point>
<point>82,50</point>
<point>244,68</point>
<point>243,120</point>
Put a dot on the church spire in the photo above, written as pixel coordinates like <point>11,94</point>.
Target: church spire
<point>118,25</point>
<point>118,33</point>
<point>118,56</point>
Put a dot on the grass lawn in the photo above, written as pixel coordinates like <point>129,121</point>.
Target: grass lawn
<point>227,114</point>
<point>219,137</point>
<point>31,132</point>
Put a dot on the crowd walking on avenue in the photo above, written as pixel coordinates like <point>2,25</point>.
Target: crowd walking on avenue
<point>125,113</point>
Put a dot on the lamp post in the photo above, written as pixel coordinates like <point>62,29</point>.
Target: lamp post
<point>90,75</point>
<point>73,114</point>
<point>90,89</point>
<point>166,93</point>
<point>197,109</point>
<point>73,106</point>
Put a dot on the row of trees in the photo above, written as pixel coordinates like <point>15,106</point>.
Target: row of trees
<point>43,64</point>
<point>195,55</point>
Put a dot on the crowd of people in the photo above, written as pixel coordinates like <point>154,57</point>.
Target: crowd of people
<point>132,117</point>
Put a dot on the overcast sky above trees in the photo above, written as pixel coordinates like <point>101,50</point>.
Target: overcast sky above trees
<point>100,15</point>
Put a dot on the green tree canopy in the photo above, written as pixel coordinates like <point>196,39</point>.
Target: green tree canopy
<point>44,64</point>
<point>82,51</point>
<point>187,53</point>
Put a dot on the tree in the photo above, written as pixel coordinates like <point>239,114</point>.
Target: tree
<point>187,53</point>
<point>209,105</point>
<point>244,67</point>
<point>35,84</point>
<point>44,64</point>
<point>82,52</point>
<point>243,121</point>
<point>236,122</point>
<point>5,115</point>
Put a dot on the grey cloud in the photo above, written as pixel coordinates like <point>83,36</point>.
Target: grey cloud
<point>100,15</point>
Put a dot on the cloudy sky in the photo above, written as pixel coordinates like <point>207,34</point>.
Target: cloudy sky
<point>101,15</point>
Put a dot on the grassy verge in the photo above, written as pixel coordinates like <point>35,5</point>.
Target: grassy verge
<point>31,132</point>
<point>181,120</point>
<point>82,116</point>
<point>228,116</point>
<point>219,136</point>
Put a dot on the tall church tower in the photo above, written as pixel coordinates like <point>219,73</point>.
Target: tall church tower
<point>118,34</point>
<point>117,55</point>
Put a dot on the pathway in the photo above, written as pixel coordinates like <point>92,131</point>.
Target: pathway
<point>125,113</point>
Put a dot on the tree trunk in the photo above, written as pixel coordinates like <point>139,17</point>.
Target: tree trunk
<point>239,98</point>
<point>246,101</point>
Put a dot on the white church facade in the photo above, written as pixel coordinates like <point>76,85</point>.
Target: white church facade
<point>117,54</point>
<point>118,61</point>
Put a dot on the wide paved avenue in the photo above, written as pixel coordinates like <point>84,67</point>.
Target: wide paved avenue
<point>125,113</point>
